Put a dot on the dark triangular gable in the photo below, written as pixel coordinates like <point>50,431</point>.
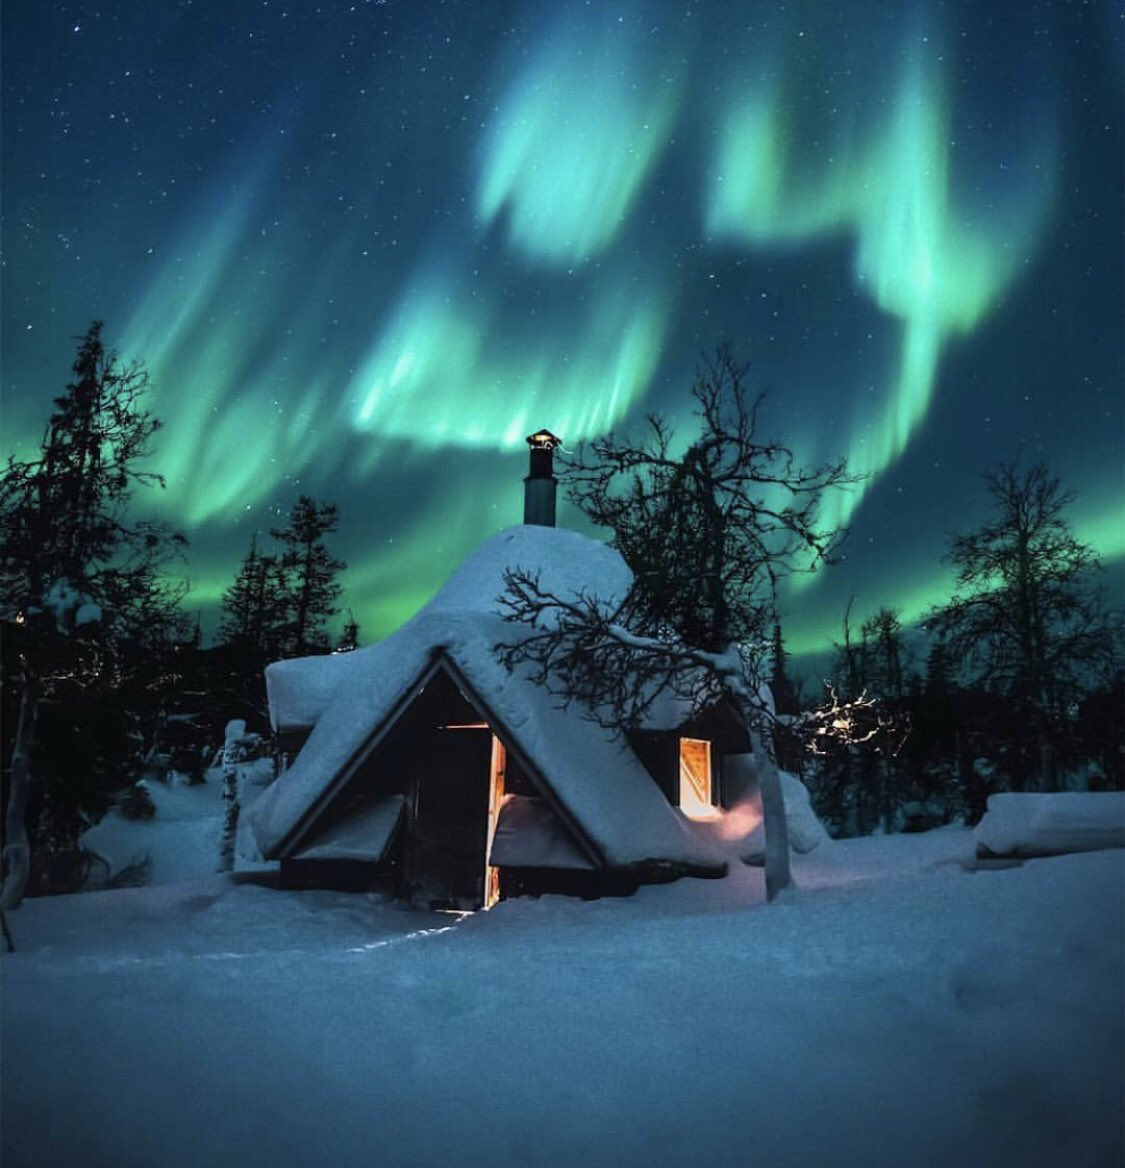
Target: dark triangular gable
<point>440,664</point>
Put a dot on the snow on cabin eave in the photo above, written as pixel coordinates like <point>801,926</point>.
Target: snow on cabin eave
<point>299,689</point>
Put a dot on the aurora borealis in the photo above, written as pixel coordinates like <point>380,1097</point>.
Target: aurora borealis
<point>364,248</point>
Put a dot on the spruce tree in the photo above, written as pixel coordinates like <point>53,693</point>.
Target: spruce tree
<point>884,654</point>
<point>784,692</point>
<point>79,576</point>
<point>310,573</point>
<point>255,609</point>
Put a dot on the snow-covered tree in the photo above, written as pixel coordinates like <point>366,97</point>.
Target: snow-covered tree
<point>349,638</point>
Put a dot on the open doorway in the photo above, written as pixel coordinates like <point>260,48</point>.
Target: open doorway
<point>696,794</point>
<point>457,788</point>
<point>449,820</point>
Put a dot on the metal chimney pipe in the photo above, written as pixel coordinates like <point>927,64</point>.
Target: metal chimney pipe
<point>540,486</point>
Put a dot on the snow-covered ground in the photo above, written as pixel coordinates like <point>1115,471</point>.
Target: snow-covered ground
<point>895,1008</point>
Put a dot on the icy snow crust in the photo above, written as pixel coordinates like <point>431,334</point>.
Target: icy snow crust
<point>891,1010</point>
<point>591,771</point>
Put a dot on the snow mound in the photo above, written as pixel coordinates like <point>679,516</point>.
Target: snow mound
<point>805,830</point>
<point>1042,824</point>
<point>181,841</point>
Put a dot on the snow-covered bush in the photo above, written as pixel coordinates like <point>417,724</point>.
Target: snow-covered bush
<point>136,802</point>
<point>805,830</point>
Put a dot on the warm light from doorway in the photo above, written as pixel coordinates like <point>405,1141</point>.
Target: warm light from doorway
<point>695,779</point>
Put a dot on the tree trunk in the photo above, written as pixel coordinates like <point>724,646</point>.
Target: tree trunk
<point>774,821</point>
<point>230,816</point>
<point>776,827</point>
<point>17,849</point>
<point>885,791</point>
<point>1048,778</point>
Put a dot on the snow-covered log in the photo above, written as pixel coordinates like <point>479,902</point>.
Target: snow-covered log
<point>1047,824</point>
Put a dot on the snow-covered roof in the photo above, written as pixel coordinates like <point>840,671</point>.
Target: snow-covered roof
<point>301,688</point>
<point>590,770</point>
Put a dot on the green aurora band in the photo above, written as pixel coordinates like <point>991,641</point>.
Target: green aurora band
<point>580,130</point>
<point>917,255</point>
<point>550,263</point>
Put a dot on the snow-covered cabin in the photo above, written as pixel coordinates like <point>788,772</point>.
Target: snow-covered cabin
<point>423,763</point>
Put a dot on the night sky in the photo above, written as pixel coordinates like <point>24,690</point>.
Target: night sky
<point>364,248</point>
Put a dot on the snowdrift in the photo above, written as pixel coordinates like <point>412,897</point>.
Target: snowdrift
<point>1042,824</point>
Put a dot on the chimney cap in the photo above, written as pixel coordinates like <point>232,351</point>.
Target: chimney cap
<point>543,440</point>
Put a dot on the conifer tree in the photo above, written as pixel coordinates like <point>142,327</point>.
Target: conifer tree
<point>884,655</point>
<point>310,573</point>
<point>784,692</point>
<point>72,559</point>
<point>255,609</point>
<point>848,667</point>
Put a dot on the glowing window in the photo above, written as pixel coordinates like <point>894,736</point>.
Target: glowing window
<point>695,778</point>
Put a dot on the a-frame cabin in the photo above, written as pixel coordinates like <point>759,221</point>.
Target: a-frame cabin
<point>423,765</point>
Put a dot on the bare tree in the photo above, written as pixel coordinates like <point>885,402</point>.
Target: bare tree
<point>1027,619</point>
<point>708,534</point>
